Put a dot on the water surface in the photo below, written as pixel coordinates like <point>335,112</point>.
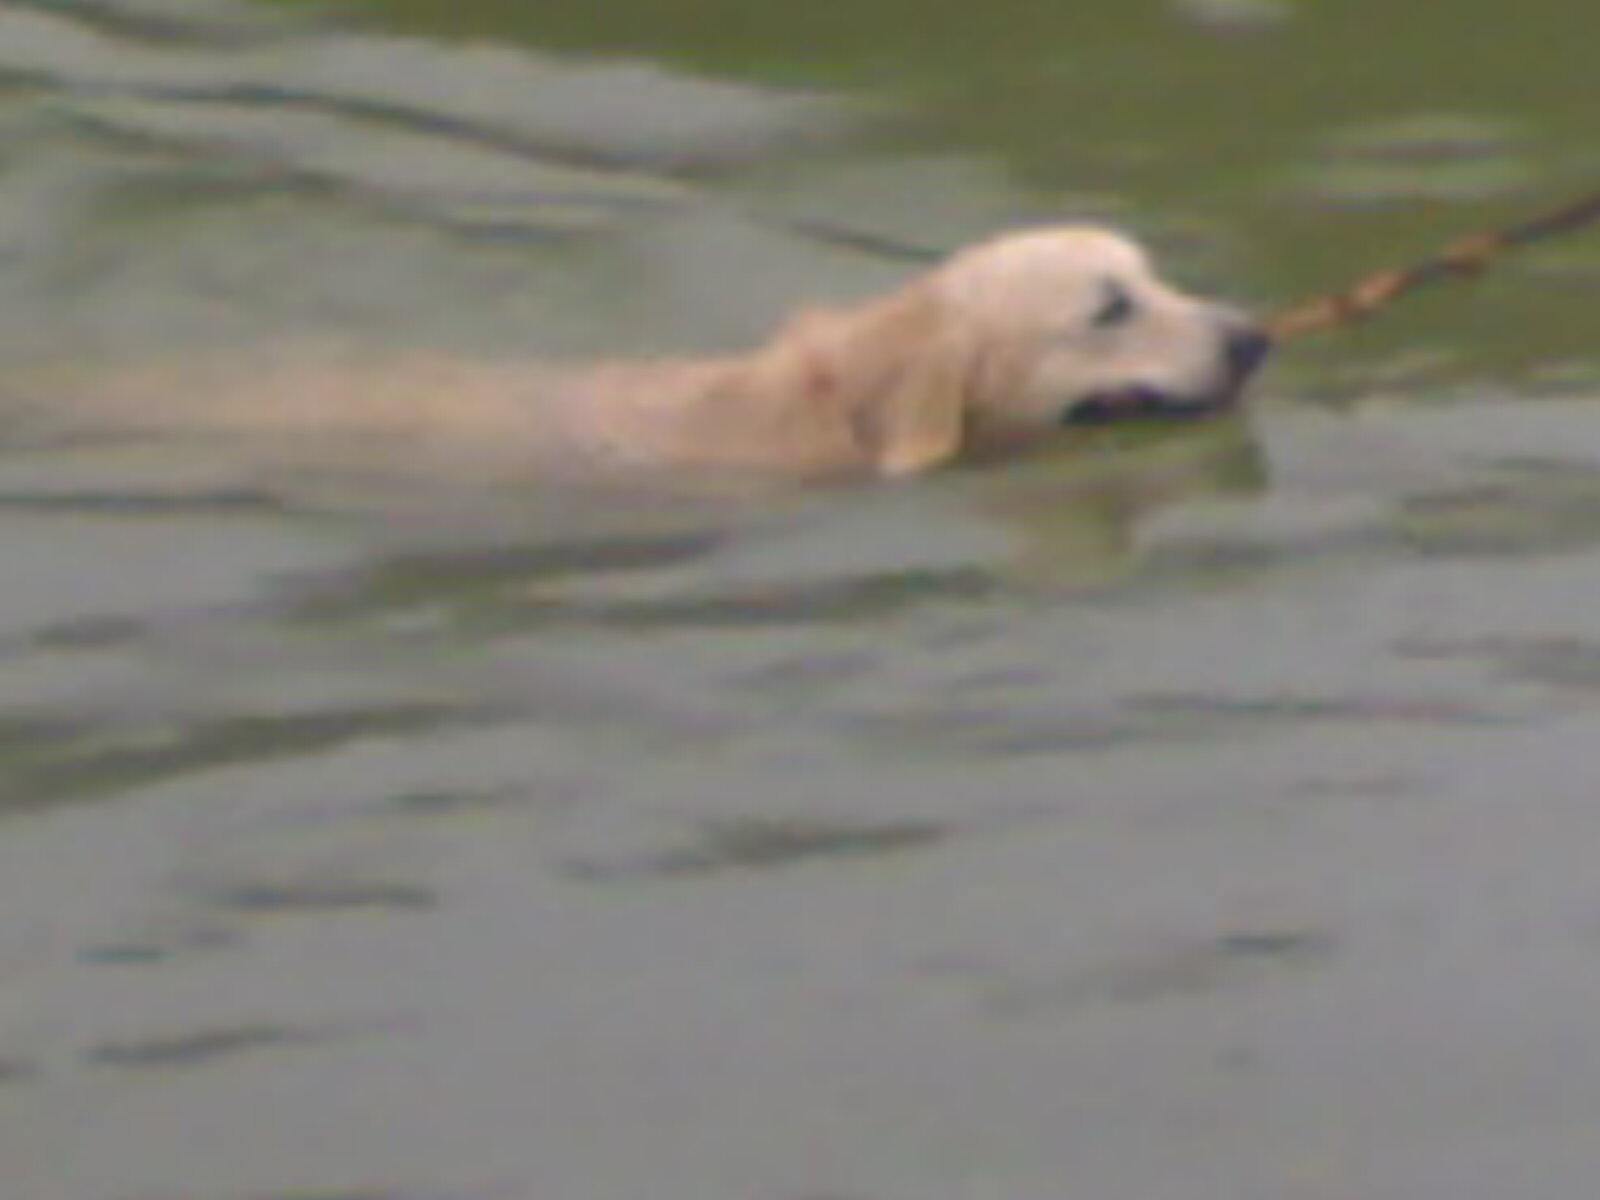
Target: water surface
<point>1178,816</point>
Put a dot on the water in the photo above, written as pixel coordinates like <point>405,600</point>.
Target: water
<point>1182,816</point>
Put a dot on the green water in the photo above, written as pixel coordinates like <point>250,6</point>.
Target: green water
<point>1202,814</point>
<point>1298,142</point>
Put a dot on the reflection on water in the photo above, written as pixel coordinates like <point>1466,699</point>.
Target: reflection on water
<point>192,1050</point>
<point>1182,814</point>
<point>754,843</point>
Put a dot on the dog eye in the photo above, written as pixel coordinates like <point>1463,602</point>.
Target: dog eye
<point>1116,308</point>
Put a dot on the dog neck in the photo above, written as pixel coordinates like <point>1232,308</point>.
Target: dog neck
<point>793,406</point>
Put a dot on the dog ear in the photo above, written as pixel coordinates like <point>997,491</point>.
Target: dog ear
<point>900,370</point>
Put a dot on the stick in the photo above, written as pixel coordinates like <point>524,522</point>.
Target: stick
<point>1465,257</point>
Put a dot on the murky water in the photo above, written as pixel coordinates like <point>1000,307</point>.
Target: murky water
<point>1205,816</point>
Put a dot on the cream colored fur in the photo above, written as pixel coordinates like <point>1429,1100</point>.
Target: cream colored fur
<point>984,354</point>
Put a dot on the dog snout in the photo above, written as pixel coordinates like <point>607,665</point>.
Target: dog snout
<point>1245,347</point>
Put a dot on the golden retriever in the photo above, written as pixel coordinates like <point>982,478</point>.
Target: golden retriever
<point>993,350</point>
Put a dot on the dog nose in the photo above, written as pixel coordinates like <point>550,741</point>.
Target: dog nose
<point>1245,348</point>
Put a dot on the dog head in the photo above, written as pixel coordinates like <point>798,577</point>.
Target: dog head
<point>1074,327</point>
<point>1011,340</point>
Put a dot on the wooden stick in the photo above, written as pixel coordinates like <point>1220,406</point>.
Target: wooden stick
<point>1467,256</point>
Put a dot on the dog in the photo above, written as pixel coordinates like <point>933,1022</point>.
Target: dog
<point>995,350</point>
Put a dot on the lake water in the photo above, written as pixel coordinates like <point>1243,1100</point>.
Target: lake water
<point>1207,815</point>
